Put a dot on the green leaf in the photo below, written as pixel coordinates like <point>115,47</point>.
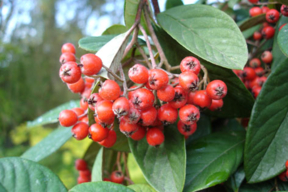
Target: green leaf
<point>229,125</point>
<point>172,3</point>
<point>259,187</point>
<point>209,34</point>
<point>282,2</point>
<point>252,21</point>
<point>236,179</point>
<point>122,141</point>
<point>48,145</point>
<point>283,186</point>
<point>115,30</point>
<point>163,167</point>
<point>141,188</point>
<point>238,96</point>
<point>268,129</point>
<point>109,157</point>
<point>94,44</point>
<point>212,159</point>
<point>100,187</point>
<point>52,115</point>
<point>91,153</point>
<point>249,32</point>
<point>19,174</point>
<point>96,174</point>
<point>283,40</point>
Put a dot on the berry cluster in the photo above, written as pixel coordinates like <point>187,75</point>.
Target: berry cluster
<point>144,109</point>
<point>284,175</point>
<point>84,173</point>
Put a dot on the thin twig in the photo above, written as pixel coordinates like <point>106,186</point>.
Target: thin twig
<point>175,68</point>
<point>112,73</point>
<point>135,88</point>
<point>205,77</point>
<point>84,114</point>
<point>144,55</point>
<point>156,7</point>
<point>132,42</point>
<point>126,168</point>
<point>251,43</point>
<point>129,180</point>
<point>257,49</point>
<point>118,162</point>
<point>124,82</point>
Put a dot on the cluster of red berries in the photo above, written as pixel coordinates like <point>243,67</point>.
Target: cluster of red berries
<point>84,173</point>
<point>284,175</point>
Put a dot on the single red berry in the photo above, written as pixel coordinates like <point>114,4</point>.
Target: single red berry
<point>127,128</point>
<point>217,89</point>
<point>258,81</point>
<point>142,99</point>
<point>155,137</point>
<point>70,72</point>
<point>67,118</point>
<point>148,116</point>
<point>110,140</point>
<point>253,1</point>
<point>66,57</point>
<point>265,9</point>
<point>121,107</point>
<point>186,130</point>
<point>85,173</point>
<point>190,97</point>
<point>80,165</point>
<point>188,81</point>
<point>189,114</point>
<point>216,105</point>
<point>110,90</point>
<point>202,99</point>
<point>180,98</point>
<point>133,115</point>
<point>257,35</point>
<point>97,132</point>
<point>83,104</point>
<point>286,164</point>
<point>78,111</point>
<point>265,24</point>
<point>282,26</point>
<point>77,87</point>
<point>245,122</point>
<point>85,119</point>
<point>191,64</point>
<point>283,176</point>
<point>255,62</point>
<point>93,100</point>
<point>284,10</point>
<point>89,80</point>
<point>166,93</point>
<point>248,73</point>
<point>268,32</point>
<point>167,114</point>
<point>83,180</point>
<point>106,124</point>
<point>138,74</point>
<point>117,177</point>
<point>104,111</point>
<point>68,48</point>
<point>259,71</point>
<point>267,57</point>
<point>107,179</point>
<point>91,64</point>
<point>157,79</point>
<point>139,134</point>
<point>254,11</point>
<point>272,16</point>
<point>256,90</point>
<point>80,130</point>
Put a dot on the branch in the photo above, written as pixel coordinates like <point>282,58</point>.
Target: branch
<point>156,7</point>
<point>112,73</point>
<point>132,42</point>
<point>144,55</point>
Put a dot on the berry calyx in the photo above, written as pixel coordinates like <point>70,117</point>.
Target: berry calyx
<point>191,64</point>
<point>66,57</point>
<point>121,107</point>
<point>267,57</point>
<point>186,130</point>
<point>180,98</point>
<point>70,72</point>
<point>127,128</point>
<point>93,100</point>
<point>157,79</point>
<point>284,10</point>
<point>217,89</point>
<point>272,16</point>
<point>188,81</point>
<point>189,114</point>
<point>255,62</point>
<point>142,99</point>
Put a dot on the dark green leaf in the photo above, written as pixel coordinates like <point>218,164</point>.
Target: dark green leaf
<point>283,186</point>
<point>115,30</point>
<point>283,40</point>
<point>172,3</point>
<point>49,144</point>
<point>122,141</point>
<point>91,154</point>
<point>96,174</point>
<point>249,32</point>
<point>238,96</point>
<point>251,22</point>
<point>100,187</point>
<point>241,15</point>
<point>163,167</point>
<point>282,2</point>
<point>236,179</point>
<point>229,125</point>
<point>52,115</point>
<point>212,159</point>
<point>259,187</point>
<point>209,34</point>
<point>141,188</point>
<point>109,157</point>
<point>94,44</point>
<point>19,174</point>
<point>268,129</point>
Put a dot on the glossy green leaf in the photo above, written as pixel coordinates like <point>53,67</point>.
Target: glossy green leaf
<point>52,115</point>
<point>141,188</point>
<point>172,3</point>
<point>259,187</point>
<point>96,174</point>
<point>268,129</point>
<point>282,2</point>
<point>252,21</point>
<point>209,34</point>
<point>115,30</point>
<point>238,96</point>
<point>48,145</point>
<point>235,180</point>
<point>19,174</point>
<point>278,56</point>
<point>163,167</point>
<point>94,44</point>
<point>91,153</point>
<point>206,154</point>
<point>100,187</point>
<point>283,40</point>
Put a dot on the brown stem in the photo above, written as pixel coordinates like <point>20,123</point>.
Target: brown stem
<point>257,49</point>
<point>118,162</point>
<point>175,68</point>
<point>129,180</point>
<point>276,185</point>
<point>139,11</point>
<point>132,42</point>
<point>267,3</point>
<point>251,43</point>
<point>156,7</point>
<point>126,167</point>
<point>124,82</point>
<point>135,88</point>
<point>205,77</point>
<point>144,55</point>
<point>84,114</point>
<point>112,73</point>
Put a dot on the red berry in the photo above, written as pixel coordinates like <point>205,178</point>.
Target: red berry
<point>110,90</point>
<point>256,90</point>
<point>106,124</point>
<point>110,140</point>
<point>83,104</point>
<point>254,11</point>
<point>82,180</point>
<point>272,16</point>
<point>68,48</point>
<point>167,114</point>
<point>70,72</point>
<point>202,99</point>
<point>139,134</point>
<point>216,105</point>
<point>85,119</point>
<point>148,116</point>
<point>138,74</point>
<point>117,177</point>
<point>180,97</point>
<point>86,93</point>
<point>258,81</point>
<point>267,57</point>
<point>66,57</point>
<point>186,130</point>
<point>80,165</point>
<point>253,1</point>
<point>97,132</point>
<point>283,176</point>
<point>255,62</point>
<point>107,179</point>
<point>191,64</point>
<point>67,118</point>
<point>282,26</point>
<point>189,114</point>
<point>190,97</point>
<point>77,87</point>
<point>121,107</point>
<point>78,111</point>
<point>127,128</point>
<point>85,173</point>
<point>188,81</point>
<point>80,130</point>
<point>93,100</point>
<point>259,71</point>
<point>284,10</point>
<point>142,99</point>
<point>216,89</point>
<point>286,164</point>
<point>248,73</point>
<point>155,137</point>
<point>104,111</point>
<point>166,93</point>
<point>157,79</point>
<point>130,93</point>
<point>91,64</point>
<point>265,9</point>
<point>257,35</point>
<point>268,32</point>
